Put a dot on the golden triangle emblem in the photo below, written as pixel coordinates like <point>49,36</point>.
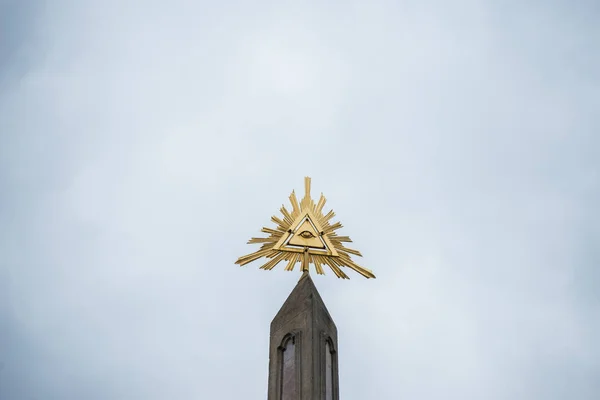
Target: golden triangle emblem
<point>304,235</point>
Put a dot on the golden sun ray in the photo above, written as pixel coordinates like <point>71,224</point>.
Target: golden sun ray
<point>306,236</point>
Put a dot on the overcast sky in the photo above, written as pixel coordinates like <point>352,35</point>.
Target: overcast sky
<point>142,143</point>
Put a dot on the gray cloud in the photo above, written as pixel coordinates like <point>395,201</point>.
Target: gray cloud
<point>17,41</point>
<point>148,141</point>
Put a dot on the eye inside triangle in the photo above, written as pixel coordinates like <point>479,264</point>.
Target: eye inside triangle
<point>306,235</point>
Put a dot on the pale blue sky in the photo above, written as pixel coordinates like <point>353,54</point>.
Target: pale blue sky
<point>142,143</point>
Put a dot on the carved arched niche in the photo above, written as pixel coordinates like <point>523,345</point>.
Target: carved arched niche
<point>289,367</point>
<point>329,365</point>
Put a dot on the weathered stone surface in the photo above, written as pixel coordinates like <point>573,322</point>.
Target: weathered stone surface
<point>304,326</point>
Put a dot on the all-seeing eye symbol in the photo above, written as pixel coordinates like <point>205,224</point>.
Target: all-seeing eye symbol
<point>306,234</point>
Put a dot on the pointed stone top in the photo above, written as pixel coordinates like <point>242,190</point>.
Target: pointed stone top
<point>304,275</point>
<point>308,369</point>
<point>304,298</point>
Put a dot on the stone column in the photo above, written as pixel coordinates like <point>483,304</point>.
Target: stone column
<point>303,362</point>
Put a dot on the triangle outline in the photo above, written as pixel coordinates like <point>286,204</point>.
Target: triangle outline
<point>313,242</point>
<point>282,244</point>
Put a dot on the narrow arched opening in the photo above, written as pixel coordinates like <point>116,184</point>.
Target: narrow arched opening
<point>288,368</point>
